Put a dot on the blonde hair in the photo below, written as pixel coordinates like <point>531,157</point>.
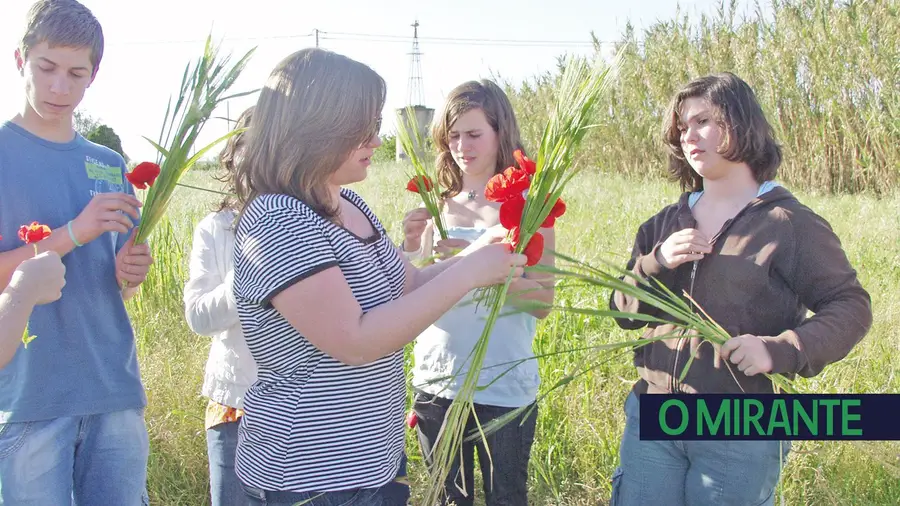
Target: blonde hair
<point>64,23</point>
<point>488,97</point>
<point>316,108</point>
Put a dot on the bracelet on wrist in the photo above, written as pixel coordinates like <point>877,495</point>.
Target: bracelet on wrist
<point>72,235</point>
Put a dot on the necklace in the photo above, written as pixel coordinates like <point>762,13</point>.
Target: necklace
<point>472,195</point>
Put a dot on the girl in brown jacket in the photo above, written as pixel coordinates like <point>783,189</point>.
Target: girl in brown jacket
<point>756,260</point>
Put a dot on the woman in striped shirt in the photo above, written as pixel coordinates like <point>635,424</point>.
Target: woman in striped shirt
<point>326,301</point>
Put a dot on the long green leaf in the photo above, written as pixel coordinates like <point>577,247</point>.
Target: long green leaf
<point>163,151</point>
<point>411,141</point>
<point>202,151</point>
<point>203,87</point>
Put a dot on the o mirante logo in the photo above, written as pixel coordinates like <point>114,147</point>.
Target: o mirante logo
<point>770,416</point>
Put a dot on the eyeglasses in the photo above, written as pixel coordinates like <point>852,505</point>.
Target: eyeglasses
<point>377,126</point>
<point>376,131</point>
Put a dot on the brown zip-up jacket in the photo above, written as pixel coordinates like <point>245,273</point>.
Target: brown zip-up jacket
<point>769,264</point>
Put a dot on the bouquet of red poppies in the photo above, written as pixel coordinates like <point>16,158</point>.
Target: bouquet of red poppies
<point>530,197</point>
<point>203,88</point>
<point>422,181</point>
<point>510,188</point>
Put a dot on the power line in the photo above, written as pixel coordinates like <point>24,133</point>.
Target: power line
<point>469,42</point>
<point>387,38</point>
<point>459,40</point>
<point>230,39</point>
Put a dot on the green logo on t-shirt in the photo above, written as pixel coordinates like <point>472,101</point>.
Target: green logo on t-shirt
<point>101,172</point>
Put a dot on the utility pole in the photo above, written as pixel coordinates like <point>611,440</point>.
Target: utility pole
<point>317,37</point>
<point>415,93</point>
<point>415,98</point>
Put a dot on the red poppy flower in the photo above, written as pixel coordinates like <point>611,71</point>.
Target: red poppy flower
<point>34,233</point>
<point>413,184</point>
<point>559,209</point>
<point>511,212</point>
<point>525,163</point>
<point>507,185</point>
<point>144,175</point>
<point>535,248</point>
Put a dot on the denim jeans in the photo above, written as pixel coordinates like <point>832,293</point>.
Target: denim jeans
<point>224,485</point>
<point>391,494</point>
<point>93,460</point>
<point>695,473</point>
<point>510,449</point>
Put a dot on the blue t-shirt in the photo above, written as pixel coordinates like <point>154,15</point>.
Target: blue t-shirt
<point>84,359</point>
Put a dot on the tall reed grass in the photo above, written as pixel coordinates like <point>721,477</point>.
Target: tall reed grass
<point>826,72</point>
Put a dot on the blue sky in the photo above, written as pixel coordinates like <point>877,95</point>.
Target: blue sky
<point>149,43</point>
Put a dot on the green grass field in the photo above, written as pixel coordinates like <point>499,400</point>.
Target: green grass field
<point>576,447</point>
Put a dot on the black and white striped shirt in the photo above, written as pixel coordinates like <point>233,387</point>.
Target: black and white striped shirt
<point>312,423</point>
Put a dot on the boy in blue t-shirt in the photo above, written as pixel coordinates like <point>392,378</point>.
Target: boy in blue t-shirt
<point>71,405</point>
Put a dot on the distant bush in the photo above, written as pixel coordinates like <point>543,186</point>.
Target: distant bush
<point>106,136</point>
<point>387,151</point>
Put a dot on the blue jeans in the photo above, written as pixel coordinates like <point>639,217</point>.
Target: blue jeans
<point>224,485</point>
<point>79,460</point>
<point>391,494</point>
<point>695,473</point>
<point>504,473</point>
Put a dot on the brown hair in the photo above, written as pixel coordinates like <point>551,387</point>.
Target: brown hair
<point>747,136</point>
<point>229,158</point>
<point>64,23</point>
<point>488,97</point>
<point>315,109</point>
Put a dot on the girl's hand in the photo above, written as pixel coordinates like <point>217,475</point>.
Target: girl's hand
<point>683,246</point>
<point>40,279</point>
<point>414,224</point>
<point>491,264</point>
<point>749,353</point>
<point>447,248</point>
<point>493,234</point>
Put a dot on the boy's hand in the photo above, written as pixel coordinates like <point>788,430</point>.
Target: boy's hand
<point>40,280</point>
<point>102,214</point>
<point>133,263</point>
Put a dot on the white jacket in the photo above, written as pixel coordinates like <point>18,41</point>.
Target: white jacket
<point>210,310</point>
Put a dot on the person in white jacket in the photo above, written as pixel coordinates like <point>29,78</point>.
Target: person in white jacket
<point>210,310</point>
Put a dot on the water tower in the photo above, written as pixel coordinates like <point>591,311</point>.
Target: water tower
<point>415,96</point>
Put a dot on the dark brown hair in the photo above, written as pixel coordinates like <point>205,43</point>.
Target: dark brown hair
<point>229,158</point>
<point>63,23</point>
<point>746,135</point>
<point>488,97</point>
<point>316,108</point>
